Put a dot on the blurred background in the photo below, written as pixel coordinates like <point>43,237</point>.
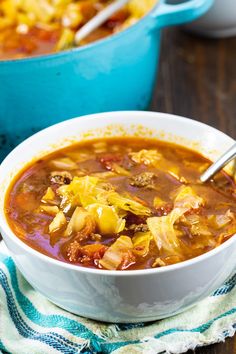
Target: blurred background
<point>197,77</point>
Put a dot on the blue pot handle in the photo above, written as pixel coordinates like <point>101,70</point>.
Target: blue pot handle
<point>167,15</point>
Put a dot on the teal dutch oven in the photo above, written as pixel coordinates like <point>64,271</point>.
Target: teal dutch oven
<point>116,73</point>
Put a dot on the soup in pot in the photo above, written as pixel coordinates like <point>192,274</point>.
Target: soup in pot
<point>36,27</point>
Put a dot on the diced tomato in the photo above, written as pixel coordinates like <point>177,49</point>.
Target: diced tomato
<point>85,254</point>
<point>108,159</point>
<point>94,251</point>
<point>164,210</point>
<point>128,260</point>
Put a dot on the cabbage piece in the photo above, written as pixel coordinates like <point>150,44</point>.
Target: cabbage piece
<point>200,229</point>
<point>158,263</point>
<point>197,166</point>
<point>147,157</point>
<point>222,220</point>
<point>107,219</point>
<point>79,220</point>
<point>42,10</point>
<point>85,189</point>
<point>203,241</point>
<point>49,196</point>
<point>185,197</point>
<point>115,254</point>
<point>198,225</point>
<point>49,209</point>
<point>164,261</point>
<point>175,172</point>
<point>120,170</point>
<point>64,163</point>
<point>104,175</point>
<point>100,147</point>
<point>162,229</point>
<point>79,155</point>
<point>137,10</point>
<point>158,202</point>
<point>68,200</point>
<point>141,242</point>
<point>66,40</point>
<point>58,222</point>
<point>4,23</point>
<point>89,190</point>
<point>128,204</point>
<point>191,219</point>
<point>72,16</point>
<point>140,8</point>
<point>81,191</point>
<point>229,230</point>
<point>8,10</point>
<point>219,221</point>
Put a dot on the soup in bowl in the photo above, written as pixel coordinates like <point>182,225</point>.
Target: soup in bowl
<point>99,209</point>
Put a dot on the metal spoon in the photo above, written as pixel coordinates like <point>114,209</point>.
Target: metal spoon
<point>99,19</point>
<point>219,164</point>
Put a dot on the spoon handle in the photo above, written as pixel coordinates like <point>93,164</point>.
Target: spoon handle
<point>98,20</point>
<point>219,164</point>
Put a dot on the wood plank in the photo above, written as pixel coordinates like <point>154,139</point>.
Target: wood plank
<point>197,79</point>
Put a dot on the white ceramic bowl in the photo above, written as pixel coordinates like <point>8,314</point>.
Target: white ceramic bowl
<point>116,296</point>
<point>218,22</point>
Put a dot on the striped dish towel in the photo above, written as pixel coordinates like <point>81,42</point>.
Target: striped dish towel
<point>30,324</point>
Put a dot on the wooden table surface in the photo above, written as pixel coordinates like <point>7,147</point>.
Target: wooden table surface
<point>197,79</point>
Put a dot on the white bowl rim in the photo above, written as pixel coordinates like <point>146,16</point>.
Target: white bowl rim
<point>120,273</point>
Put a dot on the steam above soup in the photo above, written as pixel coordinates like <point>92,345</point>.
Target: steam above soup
<point>122,203</point>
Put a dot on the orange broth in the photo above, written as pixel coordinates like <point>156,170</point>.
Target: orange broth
<point>134,183</point>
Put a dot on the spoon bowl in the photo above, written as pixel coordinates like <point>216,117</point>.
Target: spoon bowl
<point>99,19</point>
<point>222,161</point>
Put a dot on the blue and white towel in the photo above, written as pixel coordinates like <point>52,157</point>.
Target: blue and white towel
<point>30,324</point>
